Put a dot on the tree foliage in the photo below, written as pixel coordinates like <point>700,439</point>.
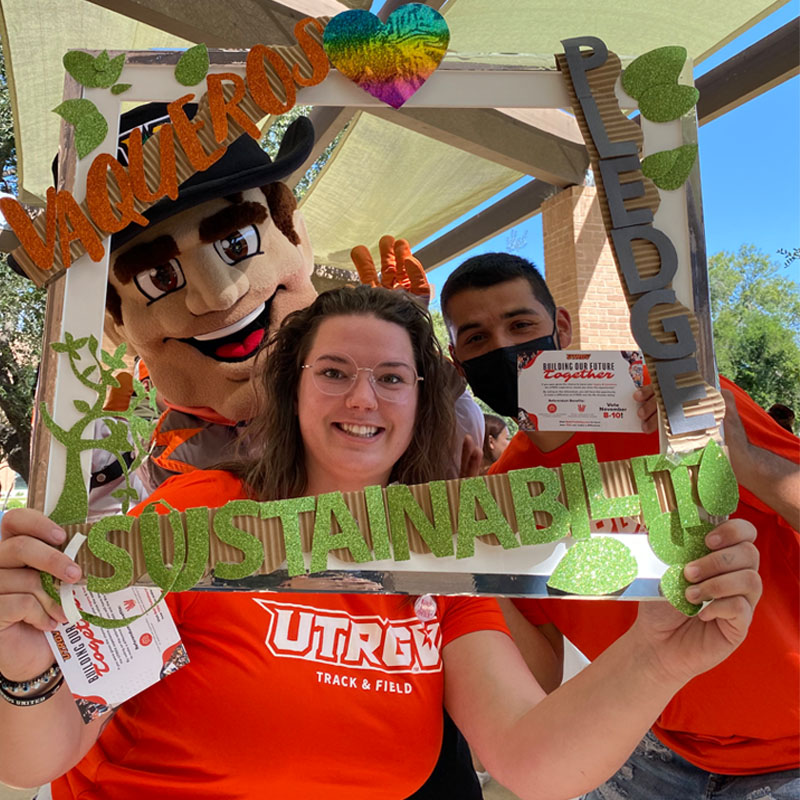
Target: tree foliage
<point>21,322</point>
<point>755,310</point>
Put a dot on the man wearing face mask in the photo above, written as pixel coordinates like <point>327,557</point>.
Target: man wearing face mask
<point>731,732</point>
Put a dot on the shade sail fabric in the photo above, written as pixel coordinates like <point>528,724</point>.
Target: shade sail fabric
<point>386,179</point>
<point>383,178</point>
<point>36,34</point>
<point>529,31</point>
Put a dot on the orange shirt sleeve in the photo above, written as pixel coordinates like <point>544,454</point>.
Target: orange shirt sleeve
<point>203,487</point>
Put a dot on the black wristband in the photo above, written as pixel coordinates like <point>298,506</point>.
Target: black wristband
<point>31,701</point>
<point>33,686</point>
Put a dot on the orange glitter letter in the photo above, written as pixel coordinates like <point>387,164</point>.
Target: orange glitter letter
<point>41,252</point>
<point>313,50</point>
<point>168,180</point>
<point>74,224</point>
<point>221,109</point>
<point>99,201</point>
<point>187,135</point>
<point>258,80</point>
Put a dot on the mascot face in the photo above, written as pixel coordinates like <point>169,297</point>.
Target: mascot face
<point>200,292</point>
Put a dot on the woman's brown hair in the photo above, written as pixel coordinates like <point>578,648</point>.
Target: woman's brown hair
<point>278,469</point>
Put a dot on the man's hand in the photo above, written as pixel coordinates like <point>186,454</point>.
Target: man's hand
<point>399,268</point>
<point>772,479</point>
<point>648,407</point>
<point>728,576</point>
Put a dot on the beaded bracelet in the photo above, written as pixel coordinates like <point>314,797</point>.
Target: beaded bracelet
<point>32,686</point>
<point>31,701</point>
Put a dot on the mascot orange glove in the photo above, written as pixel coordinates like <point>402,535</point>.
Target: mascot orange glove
<point>399,268</point>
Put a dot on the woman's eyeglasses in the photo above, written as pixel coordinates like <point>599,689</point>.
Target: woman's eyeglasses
<point>337,374</point>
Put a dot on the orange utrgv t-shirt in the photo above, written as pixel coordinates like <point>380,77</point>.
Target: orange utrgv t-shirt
<point>286,695</point>
<point>742,717</point>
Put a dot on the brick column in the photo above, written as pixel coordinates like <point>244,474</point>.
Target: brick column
<point>580,270</point>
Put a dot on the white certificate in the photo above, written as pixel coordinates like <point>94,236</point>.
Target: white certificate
<point>580,391</point>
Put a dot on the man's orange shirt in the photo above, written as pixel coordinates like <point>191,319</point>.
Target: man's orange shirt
<point>742,717</point>
<point>287,695</point>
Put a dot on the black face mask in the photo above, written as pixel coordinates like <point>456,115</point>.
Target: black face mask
<point>493,376</point>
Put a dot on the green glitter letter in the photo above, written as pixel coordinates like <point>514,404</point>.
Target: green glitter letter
<point>196,549</point>
<point>289,511</point>
<point>119,558</point>
<point>525,505</point>
<point>603,507</point>
<point>331,506</point>
<point>154,561</point>
<point>376,511</point>
<point>438,535</point>
<point>252,549</point>
<point>576,501</point>
<point>471,491</point>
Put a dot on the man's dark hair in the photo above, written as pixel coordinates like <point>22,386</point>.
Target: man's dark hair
<point>783,415</point>
<point>489,269</point>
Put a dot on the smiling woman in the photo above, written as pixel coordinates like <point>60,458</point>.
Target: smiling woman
<point>397,399</point>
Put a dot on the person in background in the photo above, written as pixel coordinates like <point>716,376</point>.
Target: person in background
<point>732,732</point>
<point>783,415</point>
<point>352,391</point>
<point>495,440</point>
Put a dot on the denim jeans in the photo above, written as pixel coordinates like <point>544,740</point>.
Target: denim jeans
<point>654,772</point>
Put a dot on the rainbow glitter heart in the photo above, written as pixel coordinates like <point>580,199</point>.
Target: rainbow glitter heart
<point>392,60</point>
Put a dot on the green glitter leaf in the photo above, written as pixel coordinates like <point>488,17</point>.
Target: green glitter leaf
<point>652,79</point>
<point>597,566</point>
<point>656,67</point>
<point>90,128</point>
<point>119,88</point>
<point>94,73</point>
<point>666,103</point>
<point>669,169</point>
<point>673,587</point>
<point>193,66</point>
<point>716,484</point>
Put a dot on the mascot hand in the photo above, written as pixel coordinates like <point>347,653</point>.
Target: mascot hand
<point>399,268</point>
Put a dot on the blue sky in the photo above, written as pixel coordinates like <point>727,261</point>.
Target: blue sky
<point>749,168</point>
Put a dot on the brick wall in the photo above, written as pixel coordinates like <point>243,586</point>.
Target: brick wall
<point>580,270</point>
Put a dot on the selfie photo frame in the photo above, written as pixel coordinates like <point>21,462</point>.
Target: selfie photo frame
<point>589,83</point>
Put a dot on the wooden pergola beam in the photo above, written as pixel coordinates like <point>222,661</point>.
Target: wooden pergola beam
<point>760,67</point>
<point>231,24</point>
<point>498,137</point>
<point>502,215</point>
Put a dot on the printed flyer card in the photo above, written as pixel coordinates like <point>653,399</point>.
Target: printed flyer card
<point>103,667</point>
<point>579,391</point>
